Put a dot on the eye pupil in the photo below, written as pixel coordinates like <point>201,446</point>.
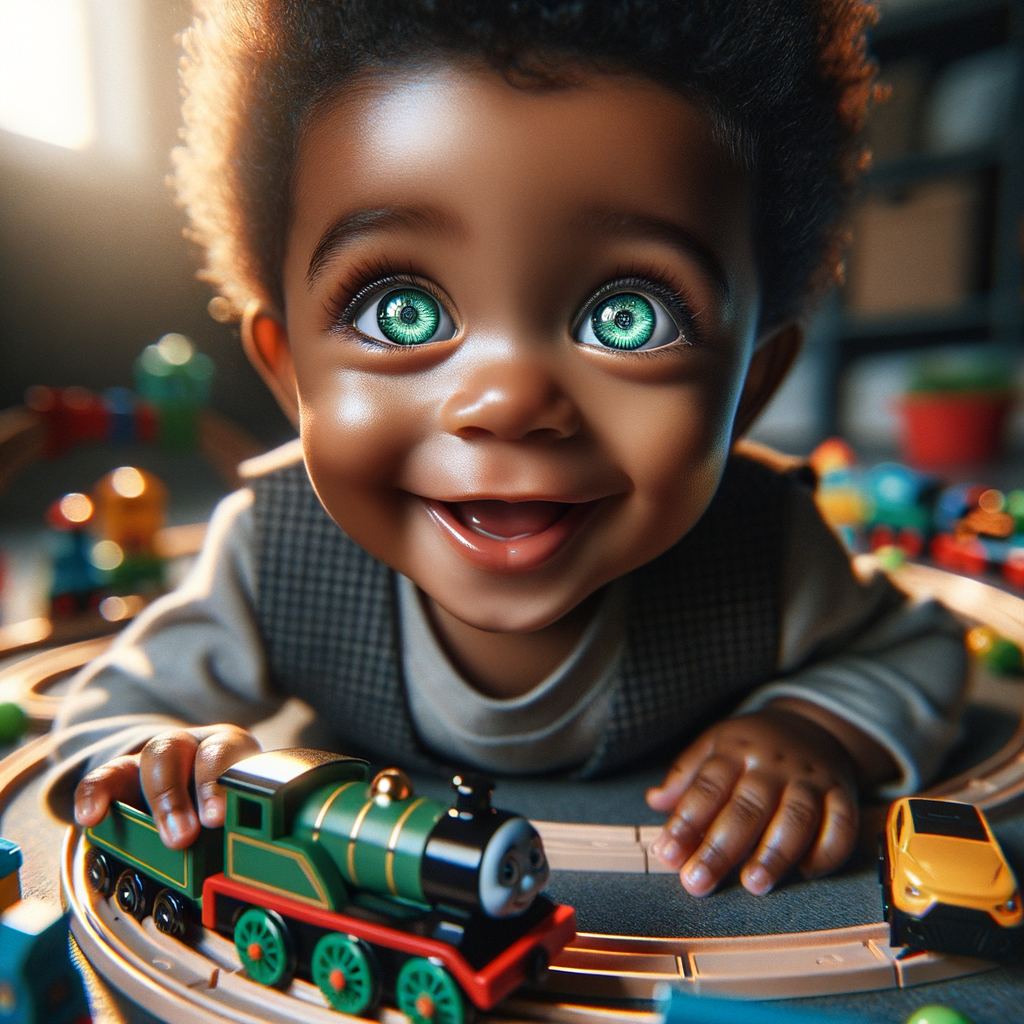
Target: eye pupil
<point>509,871</point>
<point>408,316</point>
<point>624,321</point>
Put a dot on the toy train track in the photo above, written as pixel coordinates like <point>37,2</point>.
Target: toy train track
<point>205,983</point>
<point>182,983</point>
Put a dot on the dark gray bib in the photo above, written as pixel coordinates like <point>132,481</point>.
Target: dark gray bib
<point>702,629</point>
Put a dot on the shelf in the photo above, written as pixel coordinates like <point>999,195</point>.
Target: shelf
<point>969,322</point>
<point>922,16</point>
<point>926,166</point>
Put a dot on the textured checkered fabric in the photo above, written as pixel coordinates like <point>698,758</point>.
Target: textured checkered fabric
<point>703,625</point>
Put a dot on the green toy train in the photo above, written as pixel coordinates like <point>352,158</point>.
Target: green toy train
<point>359,886</point>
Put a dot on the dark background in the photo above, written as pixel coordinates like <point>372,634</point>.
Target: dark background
<point>93,265</point>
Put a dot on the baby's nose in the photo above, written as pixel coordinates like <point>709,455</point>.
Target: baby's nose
<point>511,402</point>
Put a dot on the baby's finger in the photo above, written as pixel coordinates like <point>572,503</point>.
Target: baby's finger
<point>732,834</point>
<point>215,755</point>
<point>116,780</point>
<point>708,793</point>
<point>680,775</point>
<point>166,769</point>
<point>790,832</point>
<point>837,835</point>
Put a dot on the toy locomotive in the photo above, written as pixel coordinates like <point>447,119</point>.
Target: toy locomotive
<point>357,886</point>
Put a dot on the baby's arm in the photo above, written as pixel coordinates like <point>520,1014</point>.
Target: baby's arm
<point>192,658</point>
<point>869,688</point>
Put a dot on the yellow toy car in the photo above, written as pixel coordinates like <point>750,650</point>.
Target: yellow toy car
<point>946,885</point>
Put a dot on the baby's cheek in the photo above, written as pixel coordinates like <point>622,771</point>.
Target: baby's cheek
<point>354,431</point>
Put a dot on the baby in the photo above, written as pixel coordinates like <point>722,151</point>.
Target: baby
<point>522,273</point>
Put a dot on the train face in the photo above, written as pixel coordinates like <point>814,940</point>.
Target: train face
<point>383,839</point>
<point>513,870</point>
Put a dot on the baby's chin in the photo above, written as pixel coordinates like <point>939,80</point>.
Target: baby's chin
<point>503,606</point>
<point>503,614</point>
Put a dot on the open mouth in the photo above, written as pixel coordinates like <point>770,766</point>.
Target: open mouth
<point>508,536</point>
<point>508,520</point>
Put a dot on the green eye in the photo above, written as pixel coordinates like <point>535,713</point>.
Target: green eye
<point>408,316</point>
<point>628,321</point>
<point>624,321</point>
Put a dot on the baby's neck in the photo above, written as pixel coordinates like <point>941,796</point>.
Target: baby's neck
<point>507,665</point>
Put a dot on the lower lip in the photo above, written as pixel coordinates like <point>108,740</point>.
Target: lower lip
<point>518,554</point>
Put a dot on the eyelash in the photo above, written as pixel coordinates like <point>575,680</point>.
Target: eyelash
<point>377,276</point>
<point>364,282</point>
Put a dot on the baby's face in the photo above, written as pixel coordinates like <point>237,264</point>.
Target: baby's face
<point>520,322</point>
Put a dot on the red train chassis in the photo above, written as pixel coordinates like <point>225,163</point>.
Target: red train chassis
<point>485,987</point>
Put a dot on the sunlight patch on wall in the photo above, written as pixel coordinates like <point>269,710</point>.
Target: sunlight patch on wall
<point>46,79</point>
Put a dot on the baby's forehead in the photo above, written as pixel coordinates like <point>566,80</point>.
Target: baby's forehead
<point>462,151</point>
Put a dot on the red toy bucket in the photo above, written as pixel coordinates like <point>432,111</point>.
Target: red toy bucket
<point>952,428</point>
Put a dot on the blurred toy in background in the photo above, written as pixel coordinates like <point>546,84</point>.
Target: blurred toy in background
<point>131,507</point>
<point>887,506</point>
<point>839,496</point>
<point>175,378</point>
<point>10,883</point>
<point>997,653</point>
<point>74,416</point>
<point>13,724</point>
<point>677,1006</point>
<point>936,1014</point>
<point>104,546</point>
<point>38,981</point>
<point>172,387</point>
<point>955,411</point>
<point>76,582</point>
<point>967,528</point>
<point>899,507</point>
<point>979,528</point>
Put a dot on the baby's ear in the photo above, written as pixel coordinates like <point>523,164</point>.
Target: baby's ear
<point>265,341</point>
<point>769,364</point>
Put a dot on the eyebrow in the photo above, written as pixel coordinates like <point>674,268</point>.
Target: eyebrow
<point>361,223</point>
<point>656,229</point>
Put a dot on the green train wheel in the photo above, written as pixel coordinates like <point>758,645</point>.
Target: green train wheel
<point>345,971</point>
<point>427,994</point>
<point>264,947</point>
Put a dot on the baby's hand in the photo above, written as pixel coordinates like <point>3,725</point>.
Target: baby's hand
<point>163,771</point>
<point>772,782</point>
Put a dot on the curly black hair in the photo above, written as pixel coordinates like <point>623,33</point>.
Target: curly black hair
<point>785,83</point>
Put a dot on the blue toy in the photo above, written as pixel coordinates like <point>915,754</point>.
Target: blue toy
<point>10,862</point>
<point>680,1007</point>
<point>38,982</point>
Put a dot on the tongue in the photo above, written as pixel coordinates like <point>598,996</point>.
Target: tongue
<point>509,519</point>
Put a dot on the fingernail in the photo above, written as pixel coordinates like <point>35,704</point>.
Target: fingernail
<point>699,878</point>
<point>211,806</point>
<point>757,880</point>
<point>667,849</point>
<point>84,809</point>
<point>179,823</point>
